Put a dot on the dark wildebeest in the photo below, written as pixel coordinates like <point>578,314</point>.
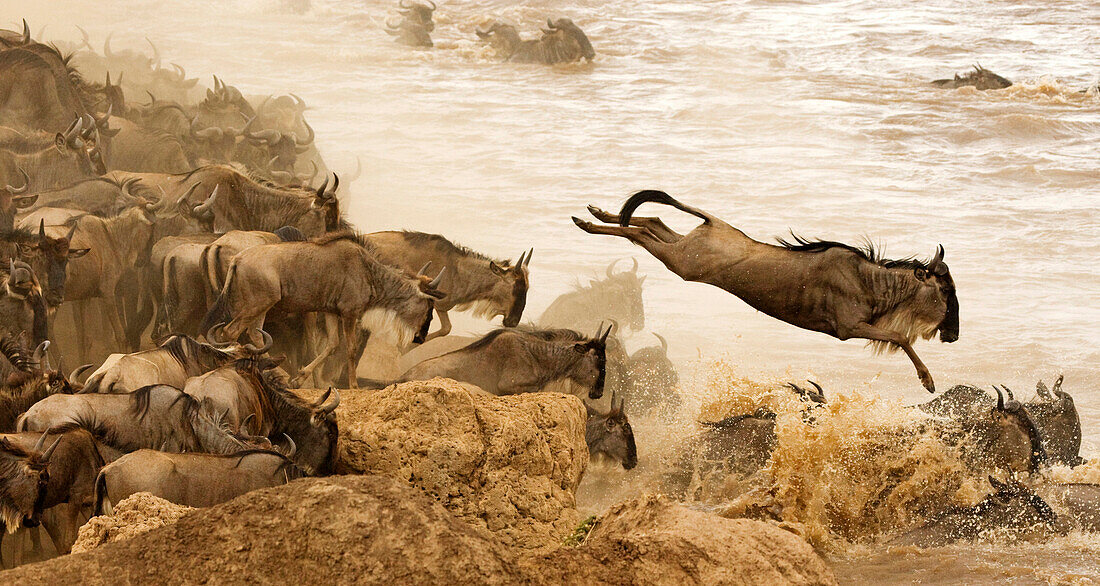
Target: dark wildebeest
<point>410,33</point>
<point>14,197</point>
<point>282,148</point>
<point>561,42</point>
<point>1055,414</point>
<point>980,79</point>
<point>473,281</point>
<point>22,303</point>
<point>48,255</point>
<point>512,361</point>
<point>175,360</point>
<point>822,286</point>
<point>651,379</point>
<point>1011,507</point>
<point>70,489</point>
<point>31,381</point>
<point>155,417</point>
<point>24,480</point>
<point>334,274</point>
<point>1001,438</point>
<point>610,435</point>
<point>192,480</point>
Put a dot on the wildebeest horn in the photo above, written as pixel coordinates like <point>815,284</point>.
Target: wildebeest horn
<point>435,282</point>
<point>335,183</point>
<point>26,32</point>
<point>519,261</point>
<point>937,259</point>
<point>393,26</point>
<point>308,141</point>
<point>424,269</point>
<point>664,343</point>
<point>204,207</point>
<point>1008,391</point>
<point>75,374</point>
<point>210,132</point>
<point>49,451</point>
<point>332,403</point>
<point>550,24</point>
<point>69,235</point>
<point>404,4</point>
<point>322,188</point>
<point>292,448</point>
<point>85,39</point>
<point>1058,383</point>
<point>1000,399</point>
<point>107,47</point>
<point>26,183</point>
<point>251,349</point>
<point>212,338</point>
<point>269,135</point>
<point>219,85</point>
<point>434,7</point>
<point>156,54</point>
<point>603,338</point>
<point>41,349</point>
<point>41,443</point>
<point>611,267</point>
<point>244,423</point>
<point>181,72</point>
<point>300,101</point>
<point>818,387</point>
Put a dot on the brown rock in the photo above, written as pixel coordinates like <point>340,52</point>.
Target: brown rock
<point>136,514</point>
<point>509,464</point>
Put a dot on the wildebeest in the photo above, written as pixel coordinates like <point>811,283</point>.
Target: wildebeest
<point>1011,506</point>
<point>47,254</point>
<point>38,88</point>
<point>193,480</point>
<point>737,445</point>
<point>175,360</point>
<point>415,25</point>
<point>31,380</point>
<point>651,379</point>
<point>71,158</point>
<point>511,361</point>
<point>823,286</point>
<point>1055,414</point>
<point>1077,504</point>
<point>618,298</point>
<point>283,148</point>
<point>24,480</point>
<point>561,42</point>
<point>980,79</point>
<point>155,417</point>
<point>1003,437</point>
<point>22,303</point>
<point>473,281</point>
<point>334,274</point>
<point>610,435</point>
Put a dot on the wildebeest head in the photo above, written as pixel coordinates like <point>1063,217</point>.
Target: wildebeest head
<point>24,478</point>
<point>573,35</point>
<point>590,370</point>
<point>1056,416</point>
<point>324,210</point>
<point>509,295</point>
<point>13,197</point>
<point>421,309</point>
<point>79,145</point>
<point>50,257</point>
<point>283,148</point>
<point>411,33</point>
<point>980,78</point>
<point>320,442</point>
<point>21,282</point>
<point>626,288</point>
<point>418,12</point>
<point>202,212</point>
<point>1013,504</point>
<point>610,435</point>
<point>1015,443</point>
<point>504,38</point>
<point>937,295</point>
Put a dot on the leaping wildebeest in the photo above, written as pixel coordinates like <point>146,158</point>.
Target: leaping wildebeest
<point>828,287</point>
<point>334,274</point>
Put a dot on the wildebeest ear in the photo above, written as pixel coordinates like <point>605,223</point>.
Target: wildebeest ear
<point>60,143</point>
<point>580,348</point>
<point>22,201</point>
<point>497,269</point>
<point>77,252</point>
<point>920,273</point>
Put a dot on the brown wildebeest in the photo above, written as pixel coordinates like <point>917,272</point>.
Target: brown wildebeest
<point>826,287</point>
<point>334,274</point>
<point>473,281</point>
<point>980,79</point>
<point>173,362</point>
<point>24,478</point>
<point>1055,414</point>
<point>610,435</point>
<point>48,255</point>
<point>561,42</point>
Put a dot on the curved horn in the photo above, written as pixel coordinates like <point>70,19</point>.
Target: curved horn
<point>550,24</point>
<point>435,282</point>
<point>335,183</point>
<point>270,136</point>
<point>75,374</point>
<point>208,133</point>
<point>308,141</point>
<point>358,170</point>
<point>40,350</point>
<point>26,183</point>
<point>41,443</point>
<point>292,448</point>
<point>156,54</point>
<point>49,451</point>
<point>937,259</point>
<point>611,267</point>
<point>332,403</point>
<point>26,32</point>
<point>664,343</point>
<point>107,47</point>
<point>212,338</point>
<point>1008,391</point>
<point>1058,384</point>
<point>1000,399</point>
<point>404,4</point>
<point>424,269</point>
<point>72,232</point>
<point>204,207</point>
<point>1041,390</point>
<point>393,26</point>
<point>85,40</point>
<point>603,338</point>
<point>180,71</point>
<point>251,349</point>
<point>301,103</point>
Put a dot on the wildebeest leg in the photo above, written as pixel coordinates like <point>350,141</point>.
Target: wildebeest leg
<point>332,328</point>
<point>350,329</point>
<point>111,310</point>
<point>870,332</point>
<point>654,225</point>
<point>663,251</point>
<point>444,325</point>
<point>61,522</point>
<point>82,329</point>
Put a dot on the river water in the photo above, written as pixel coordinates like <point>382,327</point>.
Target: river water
<point>775,115</point>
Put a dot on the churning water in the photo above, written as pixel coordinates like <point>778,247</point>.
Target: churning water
<point>775,115</point>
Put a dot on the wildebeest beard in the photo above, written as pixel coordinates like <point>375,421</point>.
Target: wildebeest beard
<point>423,333</point>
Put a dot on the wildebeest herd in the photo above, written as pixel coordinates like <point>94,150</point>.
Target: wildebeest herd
<point>202,231</point>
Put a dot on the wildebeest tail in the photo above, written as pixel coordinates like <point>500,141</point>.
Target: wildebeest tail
<point>654,196</point>
<point>219,312</point>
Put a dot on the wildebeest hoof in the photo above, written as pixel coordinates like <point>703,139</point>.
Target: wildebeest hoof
<point>601,215</point>
<point>581,223</point>
<point>929,386</point>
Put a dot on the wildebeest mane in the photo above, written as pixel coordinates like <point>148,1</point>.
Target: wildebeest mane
<point>12,349</point>
<point>867,252</point>
<point>182,347</point>
<point>139,401</point>
<point>340,236</point>
<point>442,244</point>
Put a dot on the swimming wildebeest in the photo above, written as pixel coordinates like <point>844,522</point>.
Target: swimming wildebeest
<point>511,361</point>
<point>822,286</point>
<point>334,274</point>
<point>408,32</point>
<point>473,281</point>
<point>561,42</point>
<point>192,480</point>
<point>617,298</point>
<point>980,78</point>
<point>1055,414</point>
<point>1000,436</point>
<point>1011,506</point>
<point>610,435</point>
